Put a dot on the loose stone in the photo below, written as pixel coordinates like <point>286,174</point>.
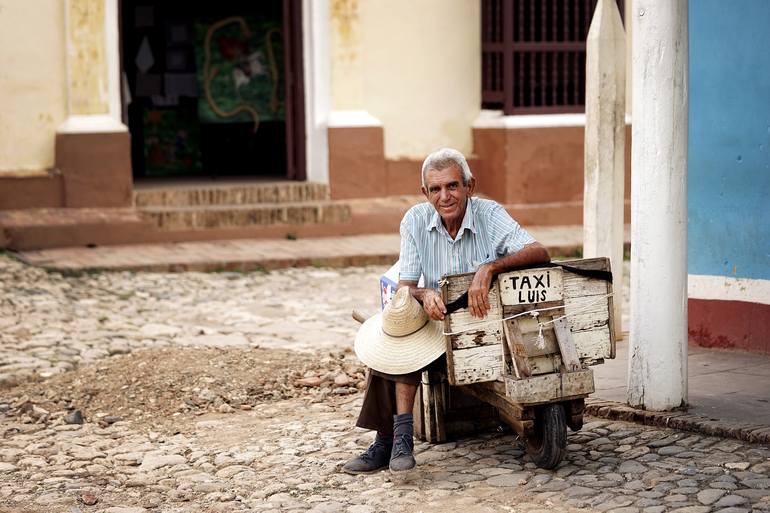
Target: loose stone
<point>730,501</point>
<point>155,462</point>
<point>74,417</point>
<point>509,480</point>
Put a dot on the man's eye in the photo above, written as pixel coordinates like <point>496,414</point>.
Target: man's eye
<point>434,190</point>
<point>453,186</point>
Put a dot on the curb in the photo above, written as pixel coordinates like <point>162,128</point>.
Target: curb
<point>266,264</point>
<point>249,265</point>
<point>680,420</point>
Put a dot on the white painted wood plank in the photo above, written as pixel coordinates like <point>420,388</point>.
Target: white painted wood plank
<point>477,364</point>
<point>569,355</point>
<point>579,286</point>
<point>531,286</point>
<point>484,336</point>
<point>545,364</point>
<point>550,387</point>
<point>592,345</point>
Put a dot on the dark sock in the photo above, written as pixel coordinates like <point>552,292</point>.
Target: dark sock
<point>403,424</point>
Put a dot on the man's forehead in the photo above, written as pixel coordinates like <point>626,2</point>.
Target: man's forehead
<point>447,175</point>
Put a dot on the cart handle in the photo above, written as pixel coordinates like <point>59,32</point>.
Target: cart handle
<point>359,315</point>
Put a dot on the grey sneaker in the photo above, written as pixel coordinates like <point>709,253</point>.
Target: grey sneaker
<point>401,457</point>
<point>374,458</point>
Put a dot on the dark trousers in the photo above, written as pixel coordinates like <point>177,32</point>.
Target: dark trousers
<point>379,405</point>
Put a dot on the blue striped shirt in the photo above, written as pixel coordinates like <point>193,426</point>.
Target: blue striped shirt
<point>486,233</point>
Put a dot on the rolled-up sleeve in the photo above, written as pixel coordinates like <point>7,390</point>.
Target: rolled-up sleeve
<point>507,235</point>
<point>410,267</point>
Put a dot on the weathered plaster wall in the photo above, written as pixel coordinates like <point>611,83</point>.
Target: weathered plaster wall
<point>86,57</point>
<point>346,55</point>
<point>729,176</point>
<point>32,83</point>
<point>415,66</point>
<point>729,144</point>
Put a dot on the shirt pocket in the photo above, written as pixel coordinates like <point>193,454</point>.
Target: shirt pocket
<point>482,253</point>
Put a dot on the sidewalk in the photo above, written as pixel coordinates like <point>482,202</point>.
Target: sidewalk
<point>729,394</point>
<point>247,255</point>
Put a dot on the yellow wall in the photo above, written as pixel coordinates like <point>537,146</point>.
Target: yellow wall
<point>32,82</point>
<point>416,66</point>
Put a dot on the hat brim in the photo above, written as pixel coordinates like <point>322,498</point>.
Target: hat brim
<point>398,355</point>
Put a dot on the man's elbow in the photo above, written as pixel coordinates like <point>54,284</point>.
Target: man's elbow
<point>540,253</point>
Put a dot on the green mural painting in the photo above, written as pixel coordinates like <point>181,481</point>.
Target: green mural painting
<point>240,70</point>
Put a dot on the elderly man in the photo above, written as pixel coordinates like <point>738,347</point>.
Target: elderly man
<point>452,233</point>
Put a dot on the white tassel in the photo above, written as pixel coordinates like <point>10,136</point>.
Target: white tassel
<point>540,338</point>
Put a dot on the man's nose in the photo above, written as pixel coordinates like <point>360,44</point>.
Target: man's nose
<point>444,193</point>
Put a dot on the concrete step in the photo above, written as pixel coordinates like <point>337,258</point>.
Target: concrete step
<point>50,228</point>
<point>229,216</point>
<point>58,227</point>
<point>227,193</point>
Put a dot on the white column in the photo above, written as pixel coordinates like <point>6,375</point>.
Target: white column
<point>315,52</point>
<point>605,142</point>
<point>657,361</point>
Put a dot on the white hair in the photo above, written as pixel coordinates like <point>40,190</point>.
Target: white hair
<point>444,158</point>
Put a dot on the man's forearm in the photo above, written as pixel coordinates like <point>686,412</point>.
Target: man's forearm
<point>530,254</point>
<point>417,292</point>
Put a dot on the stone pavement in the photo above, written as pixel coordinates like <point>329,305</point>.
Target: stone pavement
<point>731,386</point>
<point>285,456</point>
<point>245,254</point>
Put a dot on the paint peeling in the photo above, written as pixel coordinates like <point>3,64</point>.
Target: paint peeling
<point>344,15</point>
<point>86,57</point>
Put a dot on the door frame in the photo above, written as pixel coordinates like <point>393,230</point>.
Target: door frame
<point>294,90</point>
<point>306,83</point>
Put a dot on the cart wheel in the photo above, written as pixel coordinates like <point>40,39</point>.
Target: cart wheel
<point>548,444</point>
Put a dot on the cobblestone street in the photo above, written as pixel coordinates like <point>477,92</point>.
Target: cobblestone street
<point>283,453</point>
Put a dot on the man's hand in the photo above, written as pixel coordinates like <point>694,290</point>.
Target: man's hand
<point>430,299</point>
<point>433,305</point>
<point>478,292</point>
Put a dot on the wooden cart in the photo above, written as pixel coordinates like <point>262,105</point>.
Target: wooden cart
<point>531,372</point>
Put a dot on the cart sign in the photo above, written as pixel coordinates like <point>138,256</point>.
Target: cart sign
<point>531,286</point>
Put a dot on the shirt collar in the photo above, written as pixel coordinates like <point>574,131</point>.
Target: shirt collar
<point>469,220</point>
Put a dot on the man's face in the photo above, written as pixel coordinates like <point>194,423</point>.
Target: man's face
<point>448,194</point>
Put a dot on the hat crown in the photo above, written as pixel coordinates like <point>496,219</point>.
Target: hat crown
<point>403,315</point>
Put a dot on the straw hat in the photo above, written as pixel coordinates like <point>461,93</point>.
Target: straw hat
<point>400,340</point>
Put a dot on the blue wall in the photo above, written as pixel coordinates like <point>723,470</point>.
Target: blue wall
<point>729,138</point>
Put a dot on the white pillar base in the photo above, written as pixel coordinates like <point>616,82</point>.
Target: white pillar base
<point>89,124</point>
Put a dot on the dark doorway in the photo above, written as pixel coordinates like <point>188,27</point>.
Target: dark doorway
<point>213,89</point>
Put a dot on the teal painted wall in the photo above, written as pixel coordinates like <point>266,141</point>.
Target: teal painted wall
<point>729,138</point>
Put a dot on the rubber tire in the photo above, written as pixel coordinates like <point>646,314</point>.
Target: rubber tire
<point>548,444</point>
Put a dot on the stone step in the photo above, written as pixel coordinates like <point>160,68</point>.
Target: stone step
<point>228,193</point>
<point>57,227</point>
<point>230,216</point>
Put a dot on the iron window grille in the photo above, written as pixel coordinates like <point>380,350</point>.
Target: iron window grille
<point>533,54</point>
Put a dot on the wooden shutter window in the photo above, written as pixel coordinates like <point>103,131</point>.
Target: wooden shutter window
<point>533,54</point>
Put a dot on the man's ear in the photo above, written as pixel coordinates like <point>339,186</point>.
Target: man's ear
<point>425,192</point>
<point>471,185</point>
